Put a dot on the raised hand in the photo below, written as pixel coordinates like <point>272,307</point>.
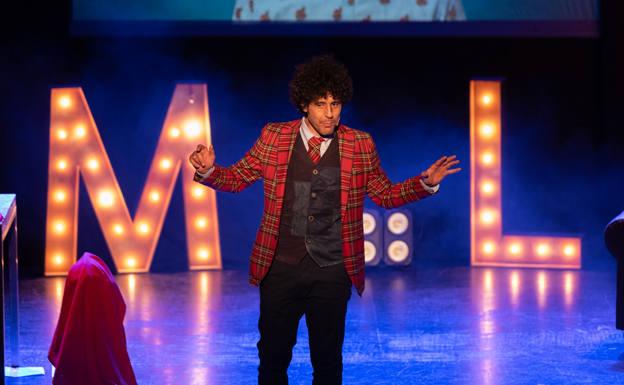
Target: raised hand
<point>202,158</point>
<point>439,170</point>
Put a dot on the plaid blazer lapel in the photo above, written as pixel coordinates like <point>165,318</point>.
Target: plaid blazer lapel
<point>346,145</point>
<point>284,147</point>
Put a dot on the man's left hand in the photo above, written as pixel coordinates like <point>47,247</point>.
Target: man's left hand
<point>440,169</point>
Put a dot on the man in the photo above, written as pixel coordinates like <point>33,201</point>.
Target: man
<point>309,249</point>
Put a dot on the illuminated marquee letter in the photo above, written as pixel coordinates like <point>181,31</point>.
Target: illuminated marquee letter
<point>489,247</point>
<point>77,149</point>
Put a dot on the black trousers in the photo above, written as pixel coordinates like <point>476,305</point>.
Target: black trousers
<point>286,294</point>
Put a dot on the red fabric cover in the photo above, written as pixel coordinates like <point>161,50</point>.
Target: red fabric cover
<point>89,344</point>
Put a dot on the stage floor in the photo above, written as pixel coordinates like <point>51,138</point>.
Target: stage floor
<point>412,326</point>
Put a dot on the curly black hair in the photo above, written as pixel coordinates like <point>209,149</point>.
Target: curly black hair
<point>318,77</point>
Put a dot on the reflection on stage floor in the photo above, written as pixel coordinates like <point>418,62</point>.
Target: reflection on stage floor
<point>458,325</point>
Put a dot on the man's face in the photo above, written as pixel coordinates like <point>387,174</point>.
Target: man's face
<point>324,114</point>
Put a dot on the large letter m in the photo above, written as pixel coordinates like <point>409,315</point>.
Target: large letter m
<point>76,149</point>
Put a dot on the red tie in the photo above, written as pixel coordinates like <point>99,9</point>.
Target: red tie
<point>314,148</point>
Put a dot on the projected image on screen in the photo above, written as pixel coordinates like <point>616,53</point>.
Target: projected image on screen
<point>450,17</point>
<point>336,10</point>
<point>348,10</point>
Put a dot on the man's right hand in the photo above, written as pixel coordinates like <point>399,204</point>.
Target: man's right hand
<point>202,158</point>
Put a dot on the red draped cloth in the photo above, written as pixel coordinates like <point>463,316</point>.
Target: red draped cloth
<point>89,344</point>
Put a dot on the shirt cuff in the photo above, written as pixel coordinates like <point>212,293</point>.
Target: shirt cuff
<point>206,174</point>
<point>430,189</point>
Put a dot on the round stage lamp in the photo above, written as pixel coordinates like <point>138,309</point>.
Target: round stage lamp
<point>370,252</point>
<point>373,237</point>
<point>398,237</point>
<point>370,223</point>
<point>398,251</point>
<point>398,223</point>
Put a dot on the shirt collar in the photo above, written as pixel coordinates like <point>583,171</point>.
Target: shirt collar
<point>307,132</point>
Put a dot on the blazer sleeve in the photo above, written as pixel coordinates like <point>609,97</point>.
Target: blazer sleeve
<point>241,174</point>
<point>382,191</point>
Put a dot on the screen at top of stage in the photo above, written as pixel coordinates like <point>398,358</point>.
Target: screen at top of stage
<point>310,13</point>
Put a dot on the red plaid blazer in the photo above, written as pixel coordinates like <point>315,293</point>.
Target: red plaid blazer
<point>361,173</point>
